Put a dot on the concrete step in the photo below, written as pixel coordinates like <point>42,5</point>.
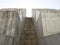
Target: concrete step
<point>28,42</point>
<point>28,36</point>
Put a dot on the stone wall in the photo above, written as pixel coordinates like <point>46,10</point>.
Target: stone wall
<point>47,22</point>
<point>11,25</point>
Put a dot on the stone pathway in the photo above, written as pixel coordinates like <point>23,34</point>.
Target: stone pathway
<point>29,34</point>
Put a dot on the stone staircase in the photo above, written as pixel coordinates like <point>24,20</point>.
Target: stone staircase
<point>28,36</point>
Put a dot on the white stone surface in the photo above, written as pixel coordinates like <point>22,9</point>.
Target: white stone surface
<point>50,20</point>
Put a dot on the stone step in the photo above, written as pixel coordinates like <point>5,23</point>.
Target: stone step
<point>28,35</point>
<point>29,42</point>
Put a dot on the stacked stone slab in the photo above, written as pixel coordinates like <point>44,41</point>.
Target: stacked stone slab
<point>11,26</point>
<point>47,22</point>
<point>28,36</point>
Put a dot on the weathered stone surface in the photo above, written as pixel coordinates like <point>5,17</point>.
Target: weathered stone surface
<point>11,23</point>
<point>29,36</point>
<point>47,22</point>
<point>49,19</point>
